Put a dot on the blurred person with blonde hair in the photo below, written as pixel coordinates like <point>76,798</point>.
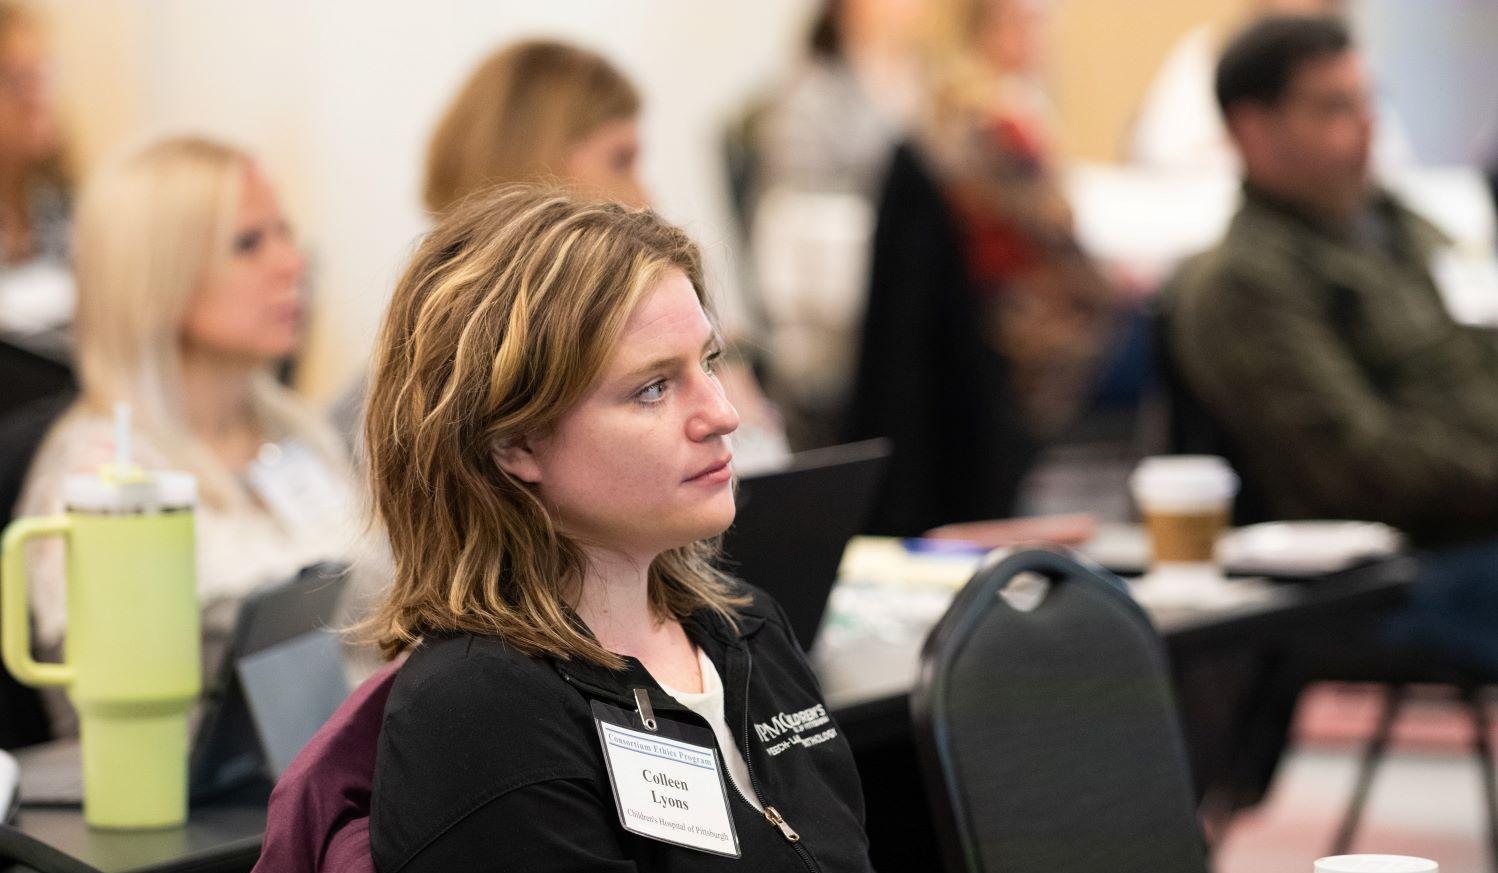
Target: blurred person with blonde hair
<point>546,112</point>
<point>977,278</point>
<point>990,141</point>
<point>36,292</point>
<point>189,293</point>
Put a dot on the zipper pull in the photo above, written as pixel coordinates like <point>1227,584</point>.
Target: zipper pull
<point>642,704</point>
<point>775,818</point>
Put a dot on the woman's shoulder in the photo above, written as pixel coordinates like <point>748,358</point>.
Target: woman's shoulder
<point>470,688</point>
<point>470,720</point>
<point>757,603</point>
<point>759,610</point>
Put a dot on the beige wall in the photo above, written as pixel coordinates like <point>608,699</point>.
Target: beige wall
<point>99,81</point>
<point>1105,54</point>
<point>337,97</point>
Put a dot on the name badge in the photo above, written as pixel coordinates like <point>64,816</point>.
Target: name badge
<point>667,782</point>
<point>298,487</point>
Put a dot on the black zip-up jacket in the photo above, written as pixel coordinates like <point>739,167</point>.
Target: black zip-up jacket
<point>490,760</point>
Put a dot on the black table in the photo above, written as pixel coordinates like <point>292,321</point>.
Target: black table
<point>220,837</point>
<point>225,835</point>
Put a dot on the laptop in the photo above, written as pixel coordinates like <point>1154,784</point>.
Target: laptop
<point>280,679</point>
<point>793,524</point>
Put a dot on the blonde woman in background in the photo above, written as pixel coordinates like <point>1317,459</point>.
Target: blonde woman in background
<point>989,140</point>
<point>545,112</point>
<point>976,280</point>
<point>189,293</point>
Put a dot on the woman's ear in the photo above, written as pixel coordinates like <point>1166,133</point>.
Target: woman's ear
<point>516,457</point>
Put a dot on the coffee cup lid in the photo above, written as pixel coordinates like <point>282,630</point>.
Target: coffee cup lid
<point>131,490</point>
<point>1183,481</point>
<point>1375,864</point>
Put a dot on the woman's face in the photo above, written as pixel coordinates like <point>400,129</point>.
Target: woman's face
<point>604,164</point>
<point>1011,35</point>
<point>642,464</point>
<point>249,306</point>
<point>28,126</point>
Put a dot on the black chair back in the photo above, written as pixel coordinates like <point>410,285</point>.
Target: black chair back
<point>926,377</point>
<point>1047,730</point>
<point>28,375</point>
<point>17,847</point>
<point>1190,428</point>
<point>24,720</point>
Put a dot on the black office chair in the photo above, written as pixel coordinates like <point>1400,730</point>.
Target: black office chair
<point>926,378</point>
<point>1356,654</point>
<point>16,848</point>
<point>29,373</point>
<point>1047,730</point>
<point>1404,673</point>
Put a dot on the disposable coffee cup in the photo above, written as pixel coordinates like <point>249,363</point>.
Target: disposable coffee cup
<point>1375,864</point>
<point>1185,501</point>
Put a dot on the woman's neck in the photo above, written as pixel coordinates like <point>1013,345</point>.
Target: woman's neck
<point>615,601</point>
<point>216,393</point>
<point>615,604</point>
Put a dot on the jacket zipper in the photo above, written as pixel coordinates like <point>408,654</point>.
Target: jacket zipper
<point>771,814</point>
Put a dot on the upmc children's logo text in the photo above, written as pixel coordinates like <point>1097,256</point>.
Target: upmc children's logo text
<point>790,729</point>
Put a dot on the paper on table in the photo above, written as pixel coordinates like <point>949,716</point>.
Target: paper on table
<point>1290,548</point>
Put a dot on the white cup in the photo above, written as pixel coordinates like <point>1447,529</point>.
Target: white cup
<point>1375,864</point>
<point>1186,501</point>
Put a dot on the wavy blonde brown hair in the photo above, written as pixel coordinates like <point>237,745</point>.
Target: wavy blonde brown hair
<point>518,114</point>
<point>501,323</point>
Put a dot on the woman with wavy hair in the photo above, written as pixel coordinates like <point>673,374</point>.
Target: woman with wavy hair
<point>548,450</point>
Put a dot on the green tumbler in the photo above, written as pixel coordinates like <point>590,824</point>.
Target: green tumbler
<point>131,653</point>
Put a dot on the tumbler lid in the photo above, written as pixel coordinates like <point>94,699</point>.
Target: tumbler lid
<point>129,491</point>
<point>123,488</point>
<point>1375,864</point>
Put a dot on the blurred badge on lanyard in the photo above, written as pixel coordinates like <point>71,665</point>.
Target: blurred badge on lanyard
<point>666,779</point>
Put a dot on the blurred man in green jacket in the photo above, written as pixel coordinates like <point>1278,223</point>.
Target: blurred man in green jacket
<point>1316,336</point>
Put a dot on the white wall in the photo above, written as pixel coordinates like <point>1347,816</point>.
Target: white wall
<point>1436,64</point>
<point>338,98</point>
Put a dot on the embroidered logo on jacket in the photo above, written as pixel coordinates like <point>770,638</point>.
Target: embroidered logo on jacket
<point>790,729</point>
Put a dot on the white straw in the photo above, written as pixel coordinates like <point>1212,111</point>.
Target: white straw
<point>122,435</point>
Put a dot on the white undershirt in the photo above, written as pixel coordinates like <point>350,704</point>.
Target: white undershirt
<point>709,704</point>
